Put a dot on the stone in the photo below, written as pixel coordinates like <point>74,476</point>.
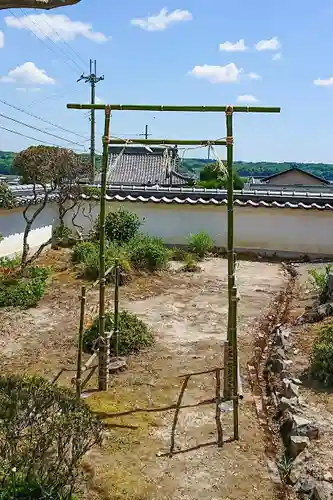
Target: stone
<point>117,364</point>
<point>305,486</point>
<point>296,381</point>
<point>325,310</point>
<point>288,404</point>
<point>298,444</point>
<point>276,365</point>
<point>273,472</point>
<point>298,466</point>
<point>323,490</point>
<point>281,339</point>
<point>290,390</point>
<point>296,351</point>
<point>303,427</point>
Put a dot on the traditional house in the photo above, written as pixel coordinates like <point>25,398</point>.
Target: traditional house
<point>143,166</point>
<point>294,176</point>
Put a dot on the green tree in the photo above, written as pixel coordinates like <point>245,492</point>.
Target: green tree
<point>215,177</point>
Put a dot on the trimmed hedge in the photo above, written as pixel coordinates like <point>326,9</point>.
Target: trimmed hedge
<point>134,334</point>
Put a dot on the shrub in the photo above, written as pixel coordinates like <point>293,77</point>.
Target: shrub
<point>200,243</point>
<point>87,254</point>
<point>82,251</point>
<point>7,198</point>
<point>322,356</point>
<point>32,488</point>
<point>45,431</point>
<point>62,236</point>
<point>149,253</point>
<point>190,264</point>
<point>134,334</point>
<point>23,289</point>
<point>319,281</point>
<point>120,226</point>
<point>179,254</point>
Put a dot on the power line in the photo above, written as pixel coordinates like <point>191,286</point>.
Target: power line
<point>63,40</point>
<point>40,130</point>
<point>42,41</point>
<point>42,119</point>
<point>27,136</point>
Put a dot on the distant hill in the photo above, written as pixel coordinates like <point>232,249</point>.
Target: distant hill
<point>194,165</point>
<point>6,161</point>
<point>262,169</point>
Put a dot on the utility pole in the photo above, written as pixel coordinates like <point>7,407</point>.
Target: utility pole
<point>93,79</point>
<point>146,135</point>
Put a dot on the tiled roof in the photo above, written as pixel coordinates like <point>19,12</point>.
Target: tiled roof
<point>138,166</point>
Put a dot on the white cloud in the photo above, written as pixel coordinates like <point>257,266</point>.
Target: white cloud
<point>277,56</point>
<point>271,44</point>
<point>28,73</point>
<point>99,100</point>
<point>161,21</point>
<point>254,76</point>
<point>246,99</point>
<point>56,27</point>
<point>2,39</point>
<point>233,47</point>
<point>27,89</point>
<point>217,74</point>
<point>324,83</point>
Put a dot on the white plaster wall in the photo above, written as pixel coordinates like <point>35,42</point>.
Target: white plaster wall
<point>284,231</point>
<point>12,225</point>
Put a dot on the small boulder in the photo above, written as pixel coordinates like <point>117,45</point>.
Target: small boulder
<point>290,390</point>
<point>288,404</point>
<point>303,427</point>
<point>298,444</point>
<point>323,490</point>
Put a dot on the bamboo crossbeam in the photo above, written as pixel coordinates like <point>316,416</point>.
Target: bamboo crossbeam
<point>198,109</point>
<point>167,142</point>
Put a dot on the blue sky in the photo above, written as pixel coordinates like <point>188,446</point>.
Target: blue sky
<point>279,54</point>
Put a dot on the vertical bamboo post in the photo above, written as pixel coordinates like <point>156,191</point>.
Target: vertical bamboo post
<point>80,343</point>
<point>232,291</point>
<point>116,308</point>
<point>219,428</point>
<point>104,342</point>
<point>226,379</point>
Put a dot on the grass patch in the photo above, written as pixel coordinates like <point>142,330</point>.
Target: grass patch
<point>322,356</point>
<point>201,244</point>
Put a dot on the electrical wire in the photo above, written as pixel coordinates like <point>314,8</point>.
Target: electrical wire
<point>27,136</point>
<point>42,119</point>
<point>40,130</point>
<point>42,41</point>
<point>62,39</point>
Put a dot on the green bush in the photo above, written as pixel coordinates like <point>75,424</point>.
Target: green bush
<point>22,289</point>
<point>82,251</point>
<point>7,198</point>
<point>45,431</point>
<point>149,253</point>
<point>322,356</point>
<point>120,226</point>
<point>319,281</point>
<point>134,334</point>
<point>62,237</point>
<point>87,254</point>
<point>200,243</point>
<point>190,264</point>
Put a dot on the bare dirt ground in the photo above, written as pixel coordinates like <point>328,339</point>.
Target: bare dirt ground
<point>188,313</point>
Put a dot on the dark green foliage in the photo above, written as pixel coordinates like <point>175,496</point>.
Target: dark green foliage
<point>261,169</point>
<point>322,356</point>
<point>7,199</point>
<point>200,243</point>
<point>214,177</point>
<point>82,251</point>
<point>87,254</point>
<point>147,252</point>
<point>134,334</point>
<point>120,226</point>
<point>45,431</point>
<point>21,289</point>
<point>62,237</point>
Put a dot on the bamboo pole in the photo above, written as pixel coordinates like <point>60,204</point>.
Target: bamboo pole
<point>167,142</point>
<point>80,343</point>
<point>104,347</point>
<point>116,308</point>
<point>235,365</point>
<point>194,109</point>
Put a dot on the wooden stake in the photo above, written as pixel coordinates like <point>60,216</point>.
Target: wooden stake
<point>104,343</point>
<point>116,308</point>
<point>80,343</point>
<point>218,409</point>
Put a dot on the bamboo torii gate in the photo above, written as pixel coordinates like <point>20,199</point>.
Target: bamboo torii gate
<point>232,368</point>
